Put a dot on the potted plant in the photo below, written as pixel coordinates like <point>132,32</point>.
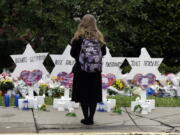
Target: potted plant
<point>6,85</point>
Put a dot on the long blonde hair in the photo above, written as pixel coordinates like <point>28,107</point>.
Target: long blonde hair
<point>88,29</point>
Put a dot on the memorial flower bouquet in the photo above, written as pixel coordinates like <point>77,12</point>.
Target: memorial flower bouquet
<point>6,84</point>
<point>136,91</point>
<point>118,84</point>
<point>4,75</point>
<point>21,87</point>
<point>54,78</point>
<point>43,88</point>
<point>57,91</point>
<point>43,107</point>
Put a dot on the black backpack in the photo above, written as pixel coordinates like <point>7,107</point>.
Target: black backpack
<point>90,56</point>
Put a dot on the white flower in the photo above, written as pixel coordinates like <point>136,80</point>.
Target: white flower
<point>41,81</point>
<point>62,87</point>
<point>137,91</point>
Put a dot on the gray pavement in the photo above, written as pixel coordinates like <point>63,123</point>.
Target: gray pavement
<point>13,120</point>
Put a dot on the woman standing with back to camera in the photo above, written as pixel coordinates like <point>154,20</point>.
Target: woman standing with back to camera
<point>87,82</point>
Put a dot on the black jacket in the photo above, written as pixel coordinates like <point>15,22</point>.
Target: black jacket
<point>87,87</point>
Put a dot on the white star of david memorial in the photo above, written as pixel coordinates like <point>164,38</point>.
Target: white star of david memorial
<point>112,65</point>
<point>144,64</point>
<point>63,63</point>
<point>29,61</point>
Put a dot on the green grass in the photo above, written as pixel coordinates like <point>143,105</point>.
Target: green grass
<point>122,101</point>
<point>166,101</point>
<point>125,101</point>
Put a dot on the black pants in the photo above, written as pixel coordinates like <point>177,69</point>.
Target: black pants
<point>88,110</point>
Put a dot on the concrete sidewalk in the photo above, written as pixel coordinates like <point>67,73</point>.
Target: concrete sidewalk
<point>13,120</point>
<point>112,133</point>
